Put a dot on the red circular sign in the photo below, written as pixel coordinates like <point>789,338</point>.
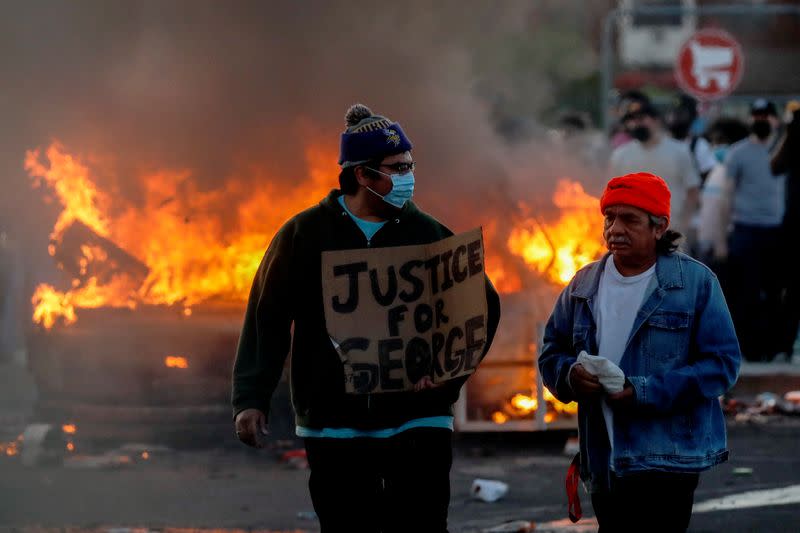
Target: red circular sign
<point>709,65</point>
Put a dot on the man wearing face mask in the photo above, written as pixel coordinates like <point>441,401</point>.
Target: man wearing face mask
<point>381,462</point>
<point>755,206</point>
<point>655,151</point>
<point>681,120</point>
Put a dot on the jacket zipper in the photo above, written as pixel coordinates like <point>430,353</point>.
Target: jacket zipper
<point>369,245</point>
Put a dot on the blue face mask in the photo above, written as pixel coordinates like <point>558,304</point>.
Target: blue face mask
<point>402,189</point>
<point>719,153</point>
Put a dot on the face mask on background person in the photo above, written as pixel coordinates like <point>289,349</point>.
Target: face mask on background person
<point>719,153</point>
<point>761,129</point>
<point>402,188</point>
<point>640,133</point>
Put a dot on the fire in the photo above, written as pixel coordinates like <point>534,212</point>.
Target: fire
<point>568,408</point>
<point>11,449</point>
<point>180,244</point>
<point>70,180</point>
<point>69,429</point>
<point>558,249</point>
<point>505,280</point>
<point>521,405</point>
<point>175,247</point>
<point>176,361</point>
<point>51,304</point>
<point>499,417</point>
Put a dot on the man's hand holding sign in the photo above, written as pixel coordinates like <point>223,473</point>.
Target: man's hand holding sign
<point>408,317</point>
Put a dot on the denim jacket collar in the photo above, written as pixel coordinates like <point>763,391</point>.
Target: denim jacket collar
<point>669,273</point>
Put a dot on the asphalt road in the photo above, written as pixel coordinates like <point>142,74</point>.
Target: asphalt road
<point>238,488</point>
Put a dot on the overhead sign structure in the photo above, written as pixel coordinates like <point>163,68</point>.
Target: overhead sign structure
<point>396,315</point>
<point>709,65</point>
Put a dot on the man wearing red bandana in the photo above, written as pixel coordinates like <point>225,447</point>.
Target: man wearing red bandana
<point>644,342</point>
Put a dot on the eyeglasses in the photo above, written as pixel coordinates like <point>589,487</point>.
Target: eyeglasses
<point>402,168</point>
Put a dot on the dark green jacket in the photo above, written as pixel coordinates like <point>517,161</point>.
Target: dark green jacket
<point>287,291</point>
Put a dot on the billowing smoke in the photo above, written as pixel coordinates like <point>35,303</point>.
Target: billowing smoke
<point>221,88</point>
<point>237,91</point>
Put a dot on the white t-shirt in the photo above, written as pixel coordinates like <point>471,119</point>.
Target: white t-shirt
<point>669,159</point>
<point>618,300</point>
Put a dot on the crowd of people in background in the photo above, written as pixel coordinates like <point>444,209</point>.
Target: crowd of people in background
<point>735,187</point>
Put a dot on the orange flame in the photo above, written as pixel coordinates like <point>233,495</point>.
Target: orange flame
<point>10,449</point>
<point>69,429</point>
<point>176,361</point>
<point>51,304</point>
<point>569,408</point>
<point>559,249</point>
<point>178,233</point>
<point>499,417</point>
<point>522,405</point>
<point>187,251</point>
<point>69,179</point>
<point>504,280</point>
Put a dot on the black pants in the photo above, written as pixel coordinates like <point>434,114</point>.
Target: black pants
<point>649,501</point>
<point>791,283</point>
<point>382,485</point>
<point>754,290</point>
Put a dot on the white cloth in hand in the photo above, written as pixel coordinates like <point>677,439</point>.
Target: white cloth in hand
<point>612,378</point>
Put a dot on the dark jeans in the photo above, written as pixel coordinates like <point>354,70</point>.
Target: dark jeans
<point>399,484</point>
<point>754,290</point>
<point>648,501</point>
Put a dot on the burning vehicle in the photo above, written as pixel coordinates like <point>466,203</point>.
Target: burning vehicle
<point>136,342</point>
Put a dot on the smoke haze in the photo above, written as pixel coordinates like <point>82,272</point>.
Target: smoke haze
<point>223,89</point>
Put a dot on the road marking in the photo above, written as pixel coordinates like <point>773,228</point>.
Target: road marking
<point>753,498</point>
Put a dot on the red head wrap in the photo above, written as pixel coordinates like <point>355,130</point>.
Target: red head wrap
<point>641,189</point>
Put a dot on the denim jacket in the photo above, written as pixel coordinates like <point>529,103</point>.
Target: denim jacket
<point>682,354</point>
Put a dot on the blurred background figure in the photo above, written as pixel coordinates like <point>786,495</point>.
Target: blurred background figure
<point>682,120</point>
<point>787,161</point>
<point>755,205</point>
<point>712,233</point>
<point>653,150</point>
<point>580,139</point>
<point>619,135</point>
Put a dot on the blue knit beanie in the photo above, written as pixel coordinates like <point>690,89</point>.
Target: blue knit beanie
<point>369,137</point>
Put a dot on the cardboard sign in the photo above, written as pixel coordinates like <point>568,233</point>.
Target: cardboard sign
<point>398,314</point>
